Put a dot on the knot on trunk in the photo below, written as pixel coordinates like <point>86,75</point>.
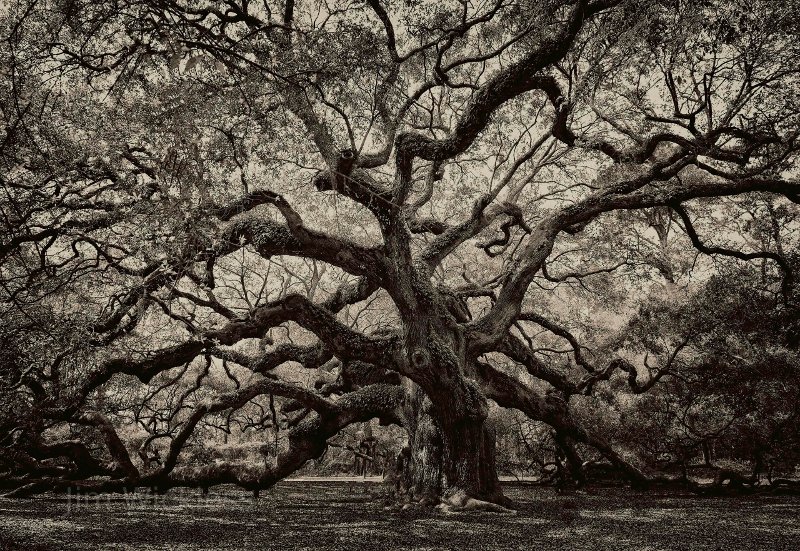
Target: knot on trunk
<point>420,358</point>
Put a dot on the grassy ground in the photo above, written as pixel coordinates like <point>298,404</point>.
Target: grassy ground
<point>345,515</point>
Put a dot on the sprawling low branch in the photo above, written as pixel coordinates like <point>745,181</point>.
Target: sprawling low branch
<point>307,441</point>
<point>237,399</point>
<point>341,340</point>
<point>551,409</point>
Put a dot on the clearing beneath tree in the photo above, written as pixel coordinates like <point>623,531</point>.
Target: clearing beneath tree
<point>346,515</point>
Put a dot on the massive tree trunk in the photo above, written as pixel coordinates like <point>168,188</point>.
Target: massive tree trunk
<point>468,463</point>
<point>449,459</point>
<point>422,479</point>
<point>451,455</point>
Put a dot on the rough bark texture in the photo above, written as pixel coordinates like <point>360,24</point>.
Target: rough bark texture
<point>469,462</point>
<point>423,480</point>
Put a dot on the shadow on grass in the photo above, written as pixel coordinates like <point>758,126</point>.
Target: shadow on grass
<point>342,515</point>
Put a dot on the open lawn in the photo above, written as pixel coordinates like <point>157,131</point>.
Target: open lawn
<point>347,515</point>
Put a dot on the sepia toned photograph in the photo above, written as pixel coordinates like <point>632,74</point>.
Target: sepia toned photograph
<point>399,275</point>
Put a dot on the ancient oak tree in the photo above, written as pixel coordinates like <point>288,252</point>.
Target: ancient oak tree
<point>222,217</point>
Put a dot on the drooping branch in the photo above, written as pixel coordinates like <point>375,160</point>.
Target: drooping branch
<point>113,442</point>
<point>235,400</point>
<point>788,276</point>
<point>557,329</point>
<point>508,392</point>
<point>320,319</point>
<point>307,441</point>
<point>515,349</point>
